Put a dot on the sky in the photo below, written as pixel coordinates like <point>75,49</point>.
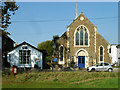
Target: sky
<point>35,22</point>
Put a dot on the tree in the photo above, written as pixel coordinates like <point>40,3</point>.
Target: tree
<point>7,9</point>
<point>46,45</point>
<point>55,37</point>
<point>55,44</point>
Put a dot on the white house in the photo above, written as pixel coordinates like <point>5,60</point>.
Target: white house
<point>114,53</point>
<point>118,53</point>
<point>25,55</point>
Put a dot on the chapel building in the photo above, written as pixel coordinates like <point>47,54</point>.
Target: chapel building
<point>82,44</point>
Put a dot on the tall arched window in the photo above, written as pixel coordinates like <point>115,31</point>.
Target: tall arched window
<point>77,38</point>
<point>86,38</point>
<point>81,37</point>
<point>61,53</point>
<point>101,53</point>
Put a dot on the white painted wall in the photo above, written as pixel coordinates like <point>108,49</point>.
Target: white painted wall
<point>13,57</point>
<point>118,55</point>
<point>114,54</point>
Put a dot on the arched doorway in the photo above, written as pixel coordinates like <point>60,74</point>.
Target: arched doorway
<point>81,58</point>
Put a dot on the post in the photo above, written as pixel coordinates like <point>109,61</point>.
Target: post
<point>52,63</point>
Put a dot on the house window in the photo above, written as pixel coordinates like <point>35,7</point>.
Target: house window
<point>24,47</point>
<point>77,38</point>
<point>110,50</point>
<point>9,56</point>
<point>24,56</point>
<point>86,38</point>
<point>81,36</point>
<point>101,53</point>
<point>61,53</point>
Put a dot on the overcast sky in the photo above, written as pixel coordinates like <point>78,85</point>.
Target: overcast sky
<point>35,22</point>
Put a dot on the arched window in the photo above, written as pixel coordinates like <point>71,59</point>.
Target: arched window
<point>61,53</point>
<point>77,38</point>
<point>86,38</point>
<point>101,53</point>
<point>81,37</point>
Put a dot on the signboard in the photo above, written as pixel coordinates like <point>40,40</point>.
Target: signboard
<point>55,59</point>
<point>36,61</point>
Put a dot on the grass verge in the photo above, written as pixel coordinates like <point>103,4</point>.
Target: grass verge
<point>61,80</point>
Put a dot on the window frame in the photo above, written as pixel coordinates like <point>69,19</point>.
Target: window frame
<point>85,29</point>
<point>86,38</point>
<point>81,37</point>
<point>100,54</point>
<point>77,37</point>
<point>24,56</point>
<point>61,62</point>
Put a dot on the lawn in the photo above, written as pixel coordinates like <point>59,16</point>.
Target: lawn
<point>61,80</point>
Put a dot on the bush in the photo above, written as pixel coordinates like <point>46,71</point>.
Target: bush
<point>116,66</point>
<point>55,79</point>
<point>6,72</point>
<point>72,64</point>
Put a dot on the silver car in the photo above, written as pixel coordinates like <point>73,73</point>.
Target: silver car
<point>101,67</point>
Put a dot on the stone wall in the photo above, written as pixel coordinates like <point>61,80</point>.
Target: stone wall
<point>102,42</point>
<point>95,41</point>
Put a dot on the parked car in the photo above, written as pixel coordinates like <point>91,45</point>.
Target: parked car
<point>101,67</point>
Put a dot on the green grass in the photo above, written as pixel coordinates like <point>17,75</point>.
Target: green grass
<point>62,80</point>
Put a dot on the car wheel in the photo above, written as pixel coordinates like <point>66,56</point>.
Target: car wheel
<point>93,70</point>
<point>110,70</point>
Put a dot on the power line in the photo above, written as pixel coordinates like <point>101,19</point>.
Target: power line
<point>44,20</point>
<point>105,18</point>
<point>101,18</point>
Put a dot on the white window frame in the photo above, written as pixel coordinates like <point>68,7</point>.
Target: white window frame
<point>103,53</point>
<point>78,36</point>
<point>24,46</point>
<point>61,62</point>
<point>25,55</point>
<point>83,37</point>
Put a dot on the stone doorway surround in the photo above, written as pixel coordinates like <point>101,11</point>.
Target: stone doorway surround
<point>82,52</point>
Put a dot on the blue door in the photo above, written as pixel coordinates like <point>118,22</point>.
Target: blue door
<point>81,61</point>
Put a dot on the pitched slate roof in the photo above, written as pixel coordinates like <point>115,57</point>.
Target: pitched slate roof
<point>25,43</point>
<point>7,37</point>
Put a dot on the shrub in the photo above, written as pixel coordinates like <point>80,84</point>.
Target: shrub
<point>55,79</point>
